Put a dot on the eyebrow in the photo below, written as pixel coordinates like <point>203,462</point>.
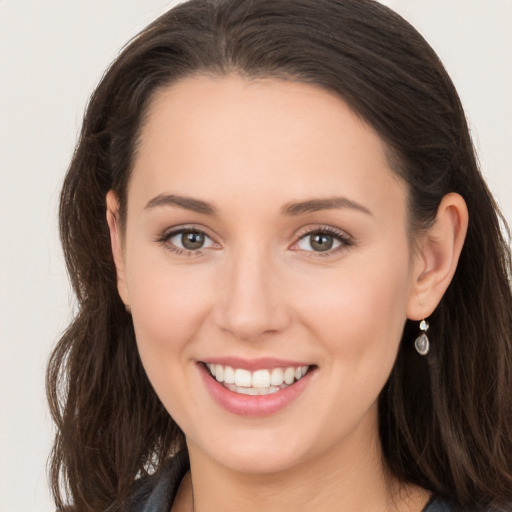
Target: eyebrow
<point>314,205</point>
<point>187,203</point>
<point>291,209</point>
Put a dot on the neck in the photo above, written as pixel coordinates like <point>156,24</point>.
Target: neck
<point>340,479</point>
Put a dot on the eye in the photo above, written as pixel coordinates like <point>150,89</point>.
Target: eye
<point>189,240</point>
<point>322,241</point>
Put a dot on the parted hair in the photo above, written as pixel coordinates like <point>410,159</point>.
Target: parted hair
<point>445,419</point>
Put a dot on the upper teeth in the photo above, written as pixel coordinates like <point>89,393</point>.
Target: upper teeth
<point>259,378</point>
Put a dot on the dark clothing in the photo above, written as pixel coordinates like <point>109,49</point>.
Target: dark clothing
<point>157,492</point>
<point>437,505</point>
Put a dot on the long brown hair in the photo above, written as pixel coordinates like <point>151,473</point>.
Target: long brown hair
<point>446,419</point>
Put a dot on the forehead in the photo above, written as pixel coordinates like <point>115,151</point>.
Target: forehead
<point>281,139</point>
<point>250,107</point>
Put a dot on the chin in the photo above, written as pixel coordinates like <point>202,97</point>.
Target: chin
<point>259,461</point>
<point>258,452</point>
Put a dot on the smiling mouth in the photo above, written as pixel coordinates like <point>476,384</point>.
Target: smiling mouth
<point>259,382</point>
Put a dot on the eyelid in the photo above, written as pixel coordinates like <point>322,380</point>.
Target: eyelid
<point>343,237</point>
<point>168,233</point>
<point>208,242</point>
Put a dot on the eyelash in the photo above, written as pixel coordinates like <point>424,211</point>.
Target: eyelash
<point>340,236</point>
<point>165,238</point>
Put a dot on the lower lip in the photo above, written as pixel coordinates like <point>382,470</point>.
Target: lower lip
<point>250,405</point>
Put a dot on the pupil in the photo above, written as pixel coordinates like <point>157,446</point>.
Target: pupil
<point>321,242</point>
<point>192,240</point>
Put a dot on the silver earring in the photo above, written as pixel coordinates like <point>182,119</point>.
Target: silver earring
<point>422,343</point>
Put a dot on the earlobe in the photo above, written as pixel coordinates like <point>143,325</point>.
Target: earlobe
<point>437,255</point>
<point>116,243</point>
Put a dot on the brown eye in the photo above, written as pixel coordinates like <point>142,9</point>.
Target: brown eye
<point>189,240</point>
<point>321,242</point>
<point>192,240</point>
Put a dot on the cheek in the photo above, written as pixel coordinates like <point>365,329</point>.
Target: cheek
<point>360,312</point>
<point>168,309</point>
<point>168,306</point>
<point>357,318</point>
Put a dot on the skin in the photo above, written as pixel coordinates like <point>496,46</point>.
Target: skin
<point>258,289</point>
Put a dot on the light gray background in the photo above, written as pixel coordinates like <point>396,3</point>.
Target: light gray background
<point>52,53</point>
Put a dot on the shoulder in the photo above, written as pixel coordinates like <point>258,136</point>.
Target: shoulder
<point>156,493</point>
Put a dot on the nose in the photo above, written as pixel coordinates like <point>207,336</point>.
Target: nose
<point>251,304</point>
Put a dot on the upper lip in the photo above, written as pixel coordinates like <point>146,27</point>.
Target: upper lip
<point>255,364</point>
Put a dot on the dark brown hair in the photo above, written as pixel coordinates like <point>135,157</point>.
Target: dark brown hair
<point>446,419</point>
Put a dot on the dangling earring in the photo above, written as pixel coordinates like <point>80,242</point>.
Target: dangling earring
<point>422,343</point>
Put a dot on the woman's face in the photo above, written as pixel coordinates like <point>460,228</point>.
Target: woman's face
<point>266,237</point>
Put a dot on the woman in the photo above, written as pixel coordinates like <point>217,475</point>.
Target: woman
<point>293,289</point>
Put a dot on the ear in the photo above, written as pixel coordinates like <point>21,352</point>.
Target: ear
<point>436,256</point>
<point>116,243</point>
